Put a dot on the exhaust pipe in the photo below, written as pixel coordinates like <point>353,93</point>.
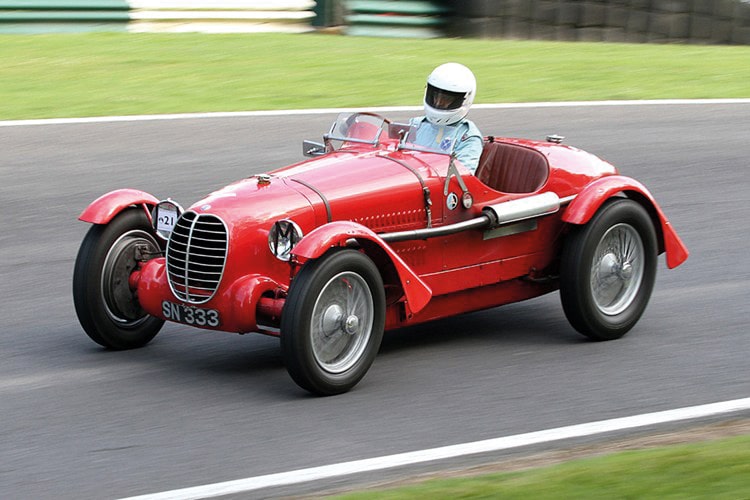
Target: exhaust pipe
<point>492,216</point>
<point>523,208</point>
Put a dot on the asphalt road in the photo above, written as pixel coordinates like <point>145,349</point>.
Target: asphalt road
<point>194,407</point>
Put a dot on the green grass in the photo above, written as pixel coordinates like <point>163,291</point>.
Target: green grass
<point>73,75</point>
<point>716,470</point>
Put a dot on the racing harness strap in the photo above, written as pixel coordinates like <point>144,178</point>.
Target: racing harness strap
<point>453,171</point>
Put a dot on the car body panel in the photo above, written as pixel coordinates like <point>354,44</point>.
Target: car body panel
<point>416,292</point>
<point>597,192</point>
<point>103,209</point>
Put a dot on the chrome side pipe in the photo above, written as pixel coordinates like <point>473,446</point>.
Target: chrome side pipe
<point>492,216</point>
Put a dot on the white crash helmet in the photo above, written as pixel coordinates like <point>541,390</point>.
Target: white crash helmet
<point>449,93</point>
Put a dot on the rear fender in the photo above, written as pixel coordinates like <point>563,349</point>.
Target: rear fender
<point>341,233</point>
<point>103,209</point>
<point>588,201</point>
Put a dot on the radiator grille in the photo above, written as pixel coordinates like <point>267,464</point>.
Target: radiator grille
<point>196,253</point>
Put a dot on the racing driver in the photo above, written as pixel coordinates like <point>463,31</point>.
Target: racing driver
<point>449,93</point>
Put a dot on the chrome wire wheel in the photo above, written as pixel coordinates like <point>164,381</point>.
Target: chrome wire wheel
<point>617,269</point>
<point>333,321</point>
<point>341,322</point>
<point>119,300</point>
<point>608,269</point>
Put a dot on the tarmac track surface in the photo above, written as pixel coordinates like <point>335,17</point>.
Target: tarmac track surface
<point>194,407</point>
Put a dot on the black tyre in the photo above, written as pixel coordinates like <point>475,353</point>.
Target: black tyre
<point>107,308</point>
<point>607,270</point>
<point>332,322</point>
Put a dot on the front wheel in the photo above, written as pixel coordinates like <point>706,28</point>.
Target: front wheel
<point>332,322</point>
<point>107,307</point>
<point>607,270</point>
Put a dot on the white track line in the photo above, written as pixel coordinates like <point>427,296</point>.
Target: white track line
<point>444,452</point>
<point>302,112</point>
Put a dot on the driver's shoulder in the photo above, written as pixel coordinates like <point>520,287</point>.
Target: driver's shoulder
<point>468,131</point>
<point>471,129</point>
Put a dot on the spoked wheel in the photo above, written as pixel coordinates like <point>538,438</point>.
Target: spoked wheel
<point>332,322</point>
<point>608,268</point>
<point>107,307</point>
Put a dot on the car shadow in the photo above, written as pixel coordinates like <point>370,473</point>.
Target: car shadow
<point>536,322</point>
<point>254,362</point>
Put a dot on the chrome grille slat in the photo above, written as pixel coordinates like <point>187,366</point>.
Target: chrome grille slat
<point>205,252</point>
<point>204,275</point>
<point>199,290</point>
<point>207,237</point>
<point>196,266</point>
<point>196,255</point>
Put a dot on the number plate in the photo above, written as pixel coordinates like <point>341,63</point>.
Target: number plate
<point>166,219</point>
<point>190,315</point>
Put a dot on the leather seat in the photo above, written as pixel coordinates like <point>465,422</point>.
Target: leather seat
<point>511,168</point>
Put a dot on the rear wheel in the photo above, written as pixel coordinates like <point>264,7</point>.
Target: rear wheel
<point>608,268</point>
<point>107,307</point>
<point>332,322</point>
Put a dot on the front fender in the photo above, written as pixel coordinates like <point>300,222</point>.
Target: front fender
<point>103,209</point>
<point>588,201</point>
<point>334,234</point>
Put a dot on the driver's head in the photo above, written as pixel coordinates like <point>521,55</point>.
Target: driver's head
<point>449,93</point>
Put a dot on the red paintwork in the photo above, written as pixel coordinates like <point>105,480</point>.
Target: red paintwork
<point>104,208</point>
<point>417,294</point>
<point>368,190</point>
<point>590,199</point>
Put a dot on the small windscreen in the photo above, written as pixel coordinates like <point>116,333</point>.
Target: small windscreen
<point>443,99</point>
<point>358,127</point>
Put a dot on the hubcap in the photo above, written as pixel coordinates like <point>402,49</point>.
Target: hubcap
<point>342,322</point>
<point>351,325</point>
<point>617,269</point>
<point>332,318</point>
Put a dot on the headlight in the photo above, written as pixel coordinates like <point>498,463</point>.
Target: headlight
<point>282,238</point>
<point>165,216</point>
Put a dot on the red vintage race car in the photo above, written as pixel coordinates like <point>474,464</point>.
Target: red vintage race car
<point>374,232</point>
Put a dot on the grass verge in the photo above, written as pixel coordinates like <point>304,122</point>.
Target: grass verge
<point>717,470</point>
<point>96,74</point>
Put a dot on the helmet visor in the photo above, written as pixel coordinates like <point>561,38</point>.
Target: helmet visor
<point>443,99</point>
